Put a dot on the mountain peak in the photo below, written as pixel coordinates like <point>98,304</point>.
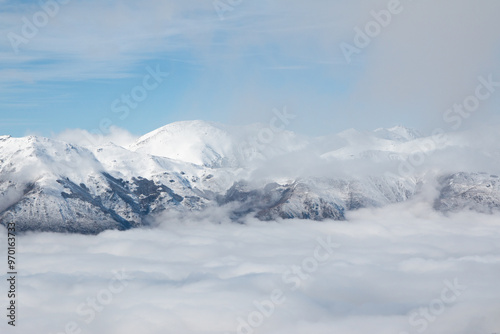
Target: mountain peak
<point>199,142</point>
<point>216,145</point>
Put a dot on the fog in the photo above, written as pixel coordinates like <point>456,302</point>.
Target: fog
<point>399,269</point>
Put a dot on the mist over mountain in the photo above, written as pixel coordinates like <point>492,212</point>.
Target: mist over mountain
<point>78,186</point>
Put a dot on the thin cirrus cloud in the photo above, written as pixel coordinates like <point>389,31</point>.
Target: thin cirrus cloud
<point>126,32</point>
<point>90,40</point>
<point>267,54</point>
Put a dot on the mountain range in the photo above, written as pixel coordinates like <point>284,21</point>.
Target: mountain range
<point>52,185</point>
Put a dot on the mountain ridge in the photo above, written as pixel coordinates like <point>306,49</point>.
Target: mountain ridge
<point>52,185</point>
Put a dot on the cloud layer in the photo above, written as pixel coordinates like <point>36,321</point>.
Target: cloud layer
<point>201,274</point>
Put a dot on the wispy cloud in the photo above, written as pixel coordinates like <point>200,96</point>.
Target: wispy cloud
<point>430,55</point>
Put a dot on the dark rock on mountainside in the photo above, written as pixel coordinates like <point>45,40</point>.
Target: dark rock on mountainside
<point>471,191</point>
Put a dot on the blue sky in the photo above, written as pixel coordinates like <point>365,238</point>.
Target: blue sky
<point>261,55</point>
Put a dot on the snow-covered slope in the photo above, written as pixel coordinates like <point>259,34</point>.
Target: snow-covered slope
<point>50,185</point>
<point>397,133</point>
<point>472,191</point>
<point>197,142</point>
<point>215,145</point>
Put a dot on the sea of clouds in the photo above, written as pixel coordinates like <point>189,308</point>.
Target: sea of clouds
<point>400,269</point>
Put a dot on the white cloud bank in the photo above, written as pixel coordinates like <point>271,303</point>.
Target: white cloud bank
<point>390,274</point>
<point>115,135</point>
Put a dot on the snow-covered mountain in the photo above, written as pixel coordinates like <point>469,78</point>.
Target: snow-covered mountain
<point>51,185</point>
<point>215,145</point>
<point>197,142</point>
<point>397,133</point>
